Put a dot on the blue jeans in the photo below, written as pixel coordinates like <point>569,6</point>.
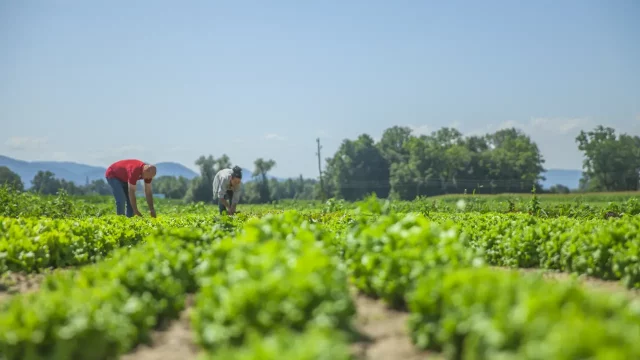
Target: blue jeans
<point>120,191</point>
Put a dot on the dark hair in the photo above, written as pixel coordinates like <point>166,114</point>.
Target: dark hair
<point>237,172</point>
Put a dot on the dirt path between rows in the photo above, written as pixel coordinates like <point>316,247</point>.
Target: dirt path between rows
<point>384,336</point>
<point>173,343</point>
<point>385,332</point>
<point>19,283</point>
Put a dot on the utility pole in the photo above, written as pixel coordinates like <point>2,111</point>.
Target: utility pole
<point>320,170</point>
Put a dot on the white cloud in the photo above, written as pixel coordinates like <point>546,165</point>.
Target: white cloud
<point>480,131</point>
<point>420,129</point>
<point>510,124</point>
<point>274,137</point>
<point>324,135</point>
<point>26,143</point>
<point>561,125</point>
<point>554,126</point>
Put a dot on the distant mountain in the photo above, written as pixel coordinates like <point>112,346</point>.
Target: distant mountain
<point>81,173</point>
<point>70,171</point>
<point>175,169</point>
<point>566,177</point>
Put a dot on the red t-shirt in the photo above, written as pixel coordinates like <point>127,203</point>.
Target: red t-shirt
<point>127,170</point>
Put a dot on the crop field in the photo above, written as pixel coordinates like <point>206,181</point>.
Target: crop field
<point>462,277</point>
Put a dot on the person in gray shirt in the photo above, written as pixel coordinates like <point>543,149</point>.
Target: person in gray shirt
<point>226,188</point>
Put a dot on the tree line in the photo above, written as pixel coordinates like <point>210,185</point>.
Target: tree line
<point>402,165</point>
<point>261,190</point>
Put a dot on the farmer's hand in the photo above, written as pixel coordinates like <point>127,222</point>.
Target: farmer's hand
<point>153,213</point>
<point>137,213</point>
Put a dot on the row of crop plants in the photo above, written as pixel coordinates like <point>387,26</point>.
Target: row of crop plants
<point>606,249</point>
<point>468,311</point>
<point>265,293</point>
<point>281,276</point>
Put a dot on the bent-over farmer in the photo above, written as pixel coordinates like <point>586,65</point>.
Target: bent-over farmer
<point>226,188</point>
<point>123,176</point>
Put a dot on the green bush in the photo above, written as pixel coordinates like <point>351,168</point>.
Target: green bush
<point>493,314</point>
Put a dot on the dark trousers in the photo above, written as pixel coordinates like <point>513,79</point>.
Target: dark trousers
<point>228,196</point>
<point>120,190</point>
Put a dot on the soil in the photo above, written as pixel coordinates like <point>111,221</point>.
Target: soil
<point>385,330</point>
<point>173,343</point>
<point>385,333</point>
<point>18,283</point>
<point>384,336</point>
<point>13,283</point>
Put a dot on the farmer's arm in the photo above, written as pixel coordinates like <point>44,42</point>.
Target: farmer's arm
<point>132,198</point>
<point>225,203</point>
<point>236,197</point>
<point>236,194</point>
<point>220,191</point>
<point>134,174</point>
<point>148,193</point>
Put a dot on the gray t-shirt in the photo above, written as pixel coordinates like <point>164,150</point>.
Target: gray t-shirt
<point>222,183</point>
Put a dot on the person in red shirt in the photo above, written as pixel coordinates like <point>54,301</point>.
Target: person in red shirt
<point>123,176</point>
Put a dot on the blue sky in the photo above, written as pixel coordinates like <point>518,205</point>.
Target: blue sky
<point>95,82</point>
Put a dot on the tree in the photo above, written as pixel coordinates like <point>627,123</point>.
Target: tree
<point>293,188</point>
<point>449,158</point>
<point>99,187</point>
<point>250,193</point>
<point>71,188</point>
<point>515,162</point>
<point>445,162</point>
<point>477,175</point>
<point>8,177</point>
<point>262,167</point>
<point>207,166</point>
<point>44,182</point>
<point>172,187</point>
<point>411,179</point>
<point>201,187</point>
<point>222,163</point>
<point>392,144</point>
<point>404,180</point>
<point>358,169</point>
<point>559,189</point>
<point>611,163</point>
